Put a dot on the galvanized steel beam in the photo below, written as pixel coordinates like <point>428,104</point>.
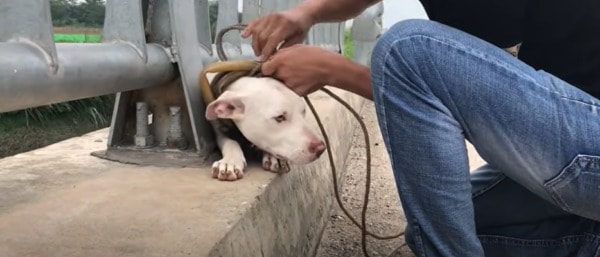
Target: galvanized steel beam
<point>85,70</point>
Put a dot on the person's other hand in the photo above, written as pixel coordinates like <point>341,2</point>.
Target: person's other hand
<point>303,68</point>
<point>289,27</point>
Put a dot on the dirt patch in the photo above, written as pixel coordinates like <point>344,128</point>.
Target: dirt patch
<point>384,217</point>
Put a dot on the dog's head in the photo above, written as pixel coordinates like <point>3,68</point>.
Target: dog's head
<point>271,116</point>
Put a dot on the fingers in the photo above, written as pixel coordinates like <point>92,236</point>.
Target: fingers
<point>249,29</point>
<point>253,31</point>
<point>259,29</point>
<point>271,44</point>
<point>275,62</point>
<point>269,67</point>
<point>276,68</point>
<point>256,45</point>
<point>267,33</point>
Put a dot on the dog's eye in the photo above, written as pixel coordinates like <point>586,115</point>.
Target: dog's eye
<point>281,118</point>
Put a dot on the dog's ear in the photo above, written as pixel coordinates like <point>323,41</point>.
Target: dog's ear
<point>227,106</point>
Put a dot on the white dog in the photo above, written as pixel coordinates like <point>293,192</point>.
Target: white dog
<point>269,115</point>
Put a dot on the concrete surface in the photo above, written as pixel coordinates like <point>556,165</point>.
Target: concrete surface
<point>385,216</point>
<point>61,201</point>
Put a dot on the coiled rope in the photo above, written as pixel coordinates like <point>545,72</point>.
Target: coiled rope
<point>230,71</point>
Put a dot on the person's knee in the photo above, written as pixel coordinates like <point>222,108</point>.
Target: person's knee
<point>412,27</point>
<point>410,30</point>
<point>399,46</point>
<point>399,36</point>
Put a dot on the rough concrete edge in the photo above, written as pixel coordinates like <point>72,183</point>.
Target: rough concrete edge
<point>289,218</point>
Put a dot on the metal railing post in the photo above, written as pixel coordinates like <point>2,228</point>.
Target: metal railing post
<point>193,50</point>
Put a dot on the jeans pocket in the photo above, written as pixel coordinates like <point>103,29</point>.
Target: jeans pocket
<point>576,189</point>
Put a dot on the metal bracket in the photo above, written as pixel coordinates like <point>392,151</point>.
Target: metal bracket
<point>162,125</point>
<point>123,23</point>
<point>29,22</point>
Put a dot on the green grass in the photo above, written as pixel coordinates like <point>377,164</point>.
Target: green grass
<point>77,38</point>
<point>348,45</point>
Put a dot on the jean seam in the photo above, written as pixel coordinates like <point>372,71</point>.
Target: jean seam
<point>418,240</point>
<point>559,178</point>
<point>541,243</point>
<point>579,101</point>
<point>381,106</point>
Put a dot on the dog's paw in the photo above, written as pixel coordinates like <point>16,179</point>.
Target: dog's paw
<point>229,169</point>
<point>271,163</point>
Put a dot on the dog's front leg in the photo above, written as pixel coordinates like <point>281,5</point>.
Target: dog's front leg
<point>231,167</point>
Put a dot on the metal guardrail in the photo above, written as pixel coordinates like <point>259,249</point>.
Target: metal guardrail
<point>150,56</point>
<point>35,71</point>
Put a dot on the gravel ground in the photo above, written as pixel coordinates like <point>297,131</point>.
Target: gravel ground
<point>385,216</point>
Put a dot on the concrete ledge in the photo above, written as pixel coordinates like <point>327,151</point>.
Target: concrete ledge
<point>61,201</point>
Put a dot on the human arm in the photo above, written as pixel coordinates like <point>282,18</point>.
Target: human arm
<point>306,69</point>
<point>291,26</point>
<point>352,77</point>
<point>320,11</point>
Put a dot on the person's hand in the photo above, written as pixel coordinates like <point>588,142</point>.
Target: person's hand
<point>289,27</point>
<point>303,68</point>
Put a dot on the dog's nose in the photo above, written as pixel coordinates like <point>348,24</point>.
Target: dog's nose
<point>317,147</point>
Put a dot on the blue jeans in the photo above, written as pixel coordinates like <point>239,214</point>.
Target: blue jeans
<point>539,195</point>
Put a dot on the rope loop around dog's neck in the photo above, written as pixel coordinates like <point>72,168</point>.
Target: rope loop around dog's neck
<point>229,71</point>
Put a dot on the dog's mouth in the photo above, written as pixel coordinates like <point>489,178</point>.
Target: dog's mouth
<point>279,157</point>
<point>272,154</point>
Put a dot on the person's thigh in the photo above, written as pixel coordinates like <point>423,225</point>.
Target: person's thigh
<point>434,86</point>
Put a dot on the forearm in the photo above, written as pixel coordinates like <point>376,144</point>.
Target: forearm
<point>334,10</point>
<point>352,77</point>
